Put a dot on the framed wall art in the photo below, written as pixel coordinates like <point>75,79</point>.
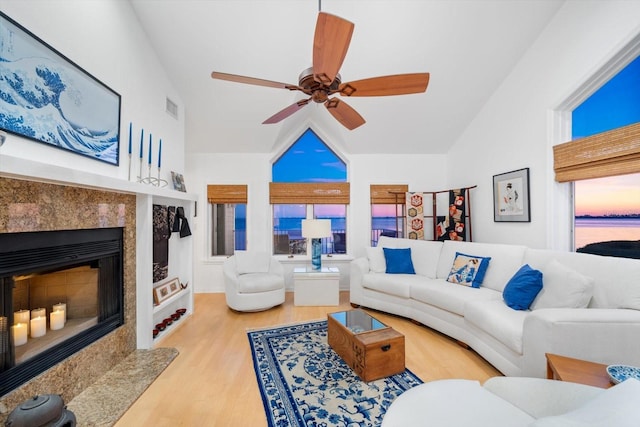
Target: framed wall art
<point>166,290</point>
<point>511,196</point>
<point>46,97</point>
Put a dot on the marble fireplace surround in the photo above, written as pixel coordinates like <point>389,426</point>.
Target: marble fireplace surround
<point>36,196</point>
<point>36,206</point>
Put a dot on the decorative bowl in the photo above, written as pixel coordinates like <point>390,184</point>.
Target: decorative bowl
<point>168,321</point>
<point>161,326</point>
<point>619,373</point>
<point>155,332</point>
<point>181,311</point>
<point>175,316</point>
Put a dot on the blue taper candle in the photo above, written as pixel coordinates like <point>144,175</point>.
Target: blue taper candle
<point>160,153</point>
<point>130,137</point>
<point>141,138</point>
<point>150,145</point>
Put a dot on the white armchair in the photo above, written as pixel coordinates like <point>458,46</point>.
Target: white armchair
<point>254,281</point>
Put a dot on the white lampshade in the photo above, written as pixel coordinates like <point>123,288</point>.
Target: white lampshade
<point>316,228</point>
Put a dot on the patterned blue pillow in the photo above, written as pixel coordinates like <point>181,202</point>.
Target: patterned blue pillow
<point>398,261</point>
<point>522,288</point>
<point>468,270</point>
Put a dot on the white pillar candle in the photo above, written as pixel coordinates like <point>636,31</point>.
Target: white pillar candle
<point>38,312</point>
<point>56,320</point>
<point>63,308</point>
<point>38,327</point>
<point>19,334</point>
<point>22,316</point>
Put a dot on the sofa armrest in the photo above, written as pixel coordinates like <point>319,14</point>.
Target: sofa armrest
<point>541,397</point>
<point>606,336</point>
<point>359,267</point>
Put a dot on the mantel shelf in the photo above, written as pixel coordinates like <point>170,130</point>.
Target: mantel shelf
<point>19,168</point>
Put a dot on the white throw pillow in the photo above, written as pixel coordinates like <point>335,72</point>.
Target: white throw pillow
<point>617,406</point>
<point>632,300</point>
<point>377,264</point>
<point>563,287</point>
<point>252,262</point>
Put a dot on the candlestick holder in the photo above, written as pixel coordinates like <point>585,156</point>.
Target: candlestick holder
<point>151,180</point>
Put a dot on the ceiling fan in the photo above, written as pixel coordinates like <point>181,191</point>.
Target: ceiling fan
<point>322,80</point>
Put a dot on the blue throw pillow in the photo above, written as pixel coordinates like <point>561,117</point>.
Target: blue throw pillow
<point>522,288</point>
<point>398,261</point>
<point>468,270</point>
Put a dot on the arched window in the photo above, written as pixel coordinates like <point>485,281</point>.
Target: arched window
<point>309,181</point>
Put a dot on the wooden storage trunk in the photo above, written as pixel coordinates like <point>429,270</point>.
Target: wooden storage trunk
<point>372,355</point>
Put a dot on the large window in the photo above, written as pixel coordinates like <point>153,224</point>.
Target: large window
<point>309,181</point>
<point>607,206</point>
<point>387,210</point>
<point>228,225</point>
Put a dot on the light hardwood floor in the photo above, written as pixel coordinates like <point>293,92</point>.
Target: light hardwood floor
<point>212,381</point>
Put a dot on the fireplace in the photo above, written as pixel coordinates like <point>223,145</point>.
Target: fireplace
<point>60,291</point>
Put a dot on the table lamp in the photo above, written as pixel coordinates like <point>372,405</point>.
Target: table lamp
<point>316,229</point>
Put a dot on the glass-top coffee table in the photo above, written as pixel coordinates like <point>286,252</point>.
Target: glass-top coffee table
<point>371,348</point>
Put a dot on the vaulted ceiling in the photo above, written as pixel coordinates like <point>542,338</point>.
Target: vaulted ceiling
<point>468,46</point>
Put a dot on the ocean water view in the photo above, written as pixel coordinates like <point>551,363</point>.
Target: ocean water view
<point>604,229</point>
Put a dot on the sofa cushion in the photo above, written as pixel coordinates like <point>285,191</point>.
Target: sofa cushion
<point>498,320</point>
<point>375,255</point>
<point>563,287</point>
<point>393,284</point>
<point>616,406</point>
<point>398,261</point>
<point>252,262</point>
<point>468,270</point>
<point>448,296</point>
<point>505,260</point>
<point>522,288</point>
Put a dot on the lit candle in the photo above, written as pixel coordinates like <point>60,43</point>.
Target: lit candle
<point>19,334</point>
<point>38,312</point>
<point>63,308</point>
<point>150,144</point>
<point>160,153</point>
<point>22,316</point>
<point>38,327</point>
<point>141,138</point>
<point>129,137</point>
<point>56,320</point>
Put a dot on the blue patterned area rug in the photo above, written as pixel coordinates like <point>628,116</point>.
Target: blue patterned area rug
<point>303,382</point>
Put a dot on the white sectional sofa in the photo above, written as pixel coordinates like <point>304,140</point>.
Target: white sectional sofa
<point>588,308</point>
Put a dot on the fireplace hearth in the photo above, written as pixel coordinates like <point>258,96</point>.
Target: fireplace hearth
<point>32,268</point>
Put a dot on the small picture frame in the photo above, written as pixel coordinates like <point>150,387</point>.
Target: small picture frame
<point>511,196</point>
<point>166,290</point>
<point>178,182</point>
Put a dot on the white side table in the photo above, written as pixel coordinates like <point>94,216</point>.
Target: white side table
<point>313,287</point>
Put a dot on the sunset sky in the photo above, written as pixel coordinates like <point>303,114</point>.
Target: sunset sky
<point>615,104</point>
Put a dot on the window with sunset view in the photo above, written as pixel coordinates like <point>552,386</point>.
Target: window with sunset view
<point>607,210</point>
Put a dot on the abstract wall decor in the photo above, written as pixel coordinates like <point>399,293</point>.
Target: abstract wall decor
<point>46,97</point>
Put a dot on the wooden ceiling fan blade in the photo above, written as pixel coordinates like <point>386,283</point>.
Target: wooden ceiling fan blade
<point>330,44</point>
<point>344,113</point>
<point>283,114</point>
<point>252,81</point>
<point>398,84</point>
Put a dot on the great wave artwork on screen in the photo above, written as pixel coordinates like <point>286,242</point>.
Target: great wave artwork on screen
<point>47,98</point>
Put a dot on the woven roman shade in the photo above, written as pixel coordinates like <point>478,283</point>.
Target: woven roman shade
<point>611,153</point>
<point>327,193</point>
<point>385,194</point>
<point>221,194</point>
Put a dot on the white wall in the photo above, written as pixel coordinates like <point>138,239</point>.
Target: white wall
<point>104,38</point>
<point>517,127</point>
<point>421,173</point>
